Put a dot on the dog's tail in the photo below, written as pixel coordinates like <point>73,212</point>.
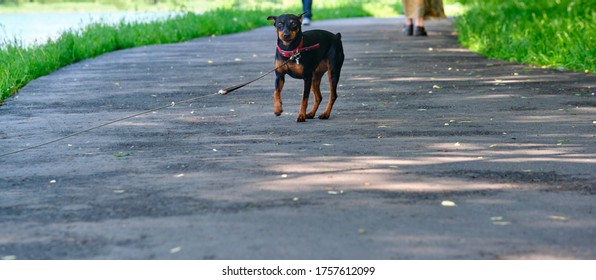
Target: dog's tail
<point>338,35</point>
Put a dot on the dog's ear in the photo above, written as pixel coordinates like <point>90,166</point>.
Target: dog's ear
<point>273,18</point>
<point>301,16</point>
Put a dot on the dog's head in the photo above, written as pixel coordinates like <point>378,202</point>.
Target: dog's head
<point>288,27</point>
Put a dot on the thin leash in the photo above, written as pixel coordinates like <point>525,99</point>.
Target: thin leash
<point>223,91</point>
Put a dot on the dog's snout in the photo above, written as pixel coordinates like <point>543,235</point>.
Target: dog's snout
<point>287,35</point>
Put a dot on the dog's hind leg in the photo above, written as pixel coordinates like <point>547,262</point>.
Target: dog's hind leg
<point>336,61</point>
<point>316,89</point>
<point>333,81</point>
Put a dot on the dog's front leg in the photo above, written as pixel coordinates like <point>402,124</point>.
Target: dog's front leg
<point>305,94</point>
<point>279,85</point>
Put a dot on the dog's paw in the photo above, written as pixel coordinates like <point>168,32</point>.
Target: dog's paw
<point>310,116</point>
<point>301,118</point>
<point>277,108</point>
<point>323,116</point>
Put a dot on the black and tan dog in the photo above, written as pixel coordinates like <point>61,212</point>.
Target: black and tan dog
<point>311,54</point>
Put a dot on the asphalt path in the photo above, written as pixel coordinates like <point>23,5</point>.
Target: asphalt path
<point>431,152</point>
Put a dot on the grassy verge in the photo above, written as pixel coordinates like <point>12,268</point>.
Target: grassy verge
<point>550,33</point>
<point>19,64</point>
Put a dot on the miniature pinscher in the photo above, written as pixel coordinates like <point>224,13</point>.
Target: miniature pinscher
<point>306,55</point>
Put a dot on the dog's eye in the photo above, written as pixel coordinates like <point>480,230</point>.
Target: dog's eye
<point>294,25</point>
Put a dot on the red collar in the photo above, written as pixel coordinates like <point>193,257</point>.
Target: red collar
<point>298,49</point>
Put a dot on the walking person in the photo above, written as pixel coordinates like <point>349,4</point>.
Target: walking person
<point>421,10</point>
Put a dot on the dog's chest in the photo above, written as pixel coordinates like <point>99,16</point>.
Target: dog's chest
<point>292,68</point>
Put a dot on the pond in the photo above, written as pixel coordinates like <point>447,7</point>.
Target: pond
<point>37,28</point>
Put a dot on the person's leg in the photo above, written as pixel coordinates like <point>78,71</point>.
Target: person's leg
<point>420,12</point>
<point>420,22</point>
<point>409,23</point>
<point>307,9</point>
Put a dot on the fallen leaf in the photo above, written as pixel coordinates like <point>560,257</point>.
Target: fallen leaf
<point>448,203</point>
<point>496,218</point>
<point>175,250</point>
<point>284,175</point>
<point>361,231</point>
<point>501,223</point>
<point>435,86</point>
<point>52,181</point>
<point>333,192</point>
<point>179,175</point>
<point>295,199</point>
<point>558,218</point>
<point>118,191</point>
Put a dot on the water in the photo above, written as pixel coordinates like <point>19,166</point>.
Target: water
<point>37,28</point>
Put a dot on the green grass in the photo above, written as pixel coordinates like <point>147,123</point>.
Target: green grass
<point>20,64</point>
<point>549,33</point>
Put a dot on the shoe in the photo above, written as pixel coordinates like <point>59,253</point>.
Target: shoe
<point>306,21</point>
<point>409,29</point>
<point>420,31</point>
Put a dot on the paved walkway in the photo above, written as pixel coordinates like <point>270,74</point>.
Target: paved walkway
<point>420,124</point>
